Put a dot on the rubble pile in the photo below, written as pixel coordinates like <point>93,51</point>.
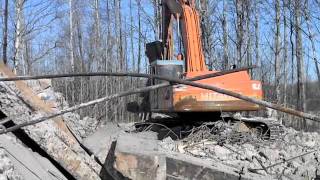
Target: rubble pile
<point>81,127</point>
<point>295,155</point>
<point>70,147</point>
<point>46,150</point>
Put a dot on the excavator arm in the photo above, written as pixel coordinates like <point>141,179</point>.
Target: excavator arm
<point>187,18</point>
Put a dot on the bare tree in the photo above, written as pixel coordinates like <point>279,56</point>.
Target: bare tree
<point>285,52</point>
<point>107,57</point>
<point>292,27</point>
<point>300,61</point>
<point>71,23</point>
<point>131,37</point>
<point>206,9</point>
<point>5,32</point>
<point>248,35</point>
<point>225,35</point>
<point>256,31</point>
<point>277,52</point>
<point>157,18</point>
<point>311,36</point>
<point>140,32</point>
<point>239,30</point>
<point>19,38</point>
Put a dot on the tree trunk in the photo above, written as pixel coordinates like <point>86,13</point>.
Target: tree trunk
<point>300,62</point>
<point>294,100</point>
<point>156,18</point>
<point>19,33</point>
<point>277,53</point>
<point>248,34</point>
<point>311,38</point>
<point>133,65</point>
<point>139,31</point>
<point>71,24</point>
<point>285,54</point>
<point>97,52</point>
<point>225,36</point>
<point>239,30</point>
<point>71,36</point>
<point>5,33</point>
<point>256,30</point>
<point>107,51</point>
<point>120,41</point>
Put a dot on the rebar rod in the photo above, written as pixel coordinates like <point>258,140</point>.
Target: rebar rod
<point>120,74</point>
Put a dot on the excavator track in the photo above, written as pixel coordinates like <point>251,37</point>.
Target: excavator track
<point>273,129</point>
<point>268,129</point>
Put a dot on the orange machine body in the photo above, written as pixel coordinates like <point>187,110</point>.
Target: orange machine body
<point>188,98</point>
<point>182,98</point>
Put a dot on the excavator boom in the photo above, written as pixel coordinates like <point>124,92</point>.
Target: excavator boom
<point>189,24</point>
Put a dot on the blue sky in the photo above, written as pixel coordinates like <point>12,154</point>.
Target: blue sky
<point>50,33</point>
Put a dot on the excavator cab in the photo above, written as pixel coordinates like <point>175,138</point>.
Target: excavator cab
<point>191,63</point>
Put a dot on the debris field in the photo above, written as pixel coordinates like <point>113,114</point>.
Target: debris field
<point>70,147</point>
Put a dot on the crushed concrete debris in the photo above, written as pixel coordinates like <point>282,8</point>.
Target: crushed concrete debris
<point>257,156</point>
<point>142,158</point>
<point>19,162</point>
<point>140,155</point>
<point>121,152</point>
<point>81,127</point>
<point>20,103</point>
<point>7,169</point>
<point>54,141</point>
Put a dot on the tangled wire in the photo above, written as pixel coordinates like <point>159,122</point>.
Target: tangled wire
<point>224,132</point>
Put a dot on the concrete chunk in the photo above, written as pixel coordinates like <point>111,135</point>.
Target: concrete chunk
<point>140,158</point>
<point>100,142</point>
<point>28,164</point>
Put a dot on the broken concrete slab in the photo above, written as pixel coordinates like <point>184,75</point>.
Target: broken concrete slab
<point>100,142</point>
<point>7,168</point>
<point>28,164</point>
<point>141,158</point>
<point>19,103</point>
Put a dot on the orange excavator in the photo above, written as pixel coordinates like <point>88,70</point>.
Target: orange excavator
<point>179,54</point>
<point>189,62</point>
